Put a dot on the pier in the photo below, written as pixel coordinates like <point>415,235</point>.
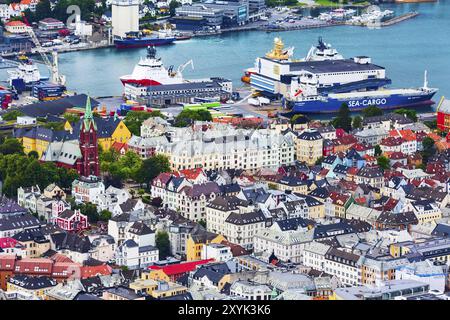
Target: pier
<point>399,19</point>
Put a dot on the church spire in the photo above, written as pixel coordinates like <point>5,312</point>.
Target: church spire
<point>88,117</point>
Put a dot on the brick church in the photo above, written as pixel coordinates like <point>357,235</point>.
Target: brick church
<point>79,149</point>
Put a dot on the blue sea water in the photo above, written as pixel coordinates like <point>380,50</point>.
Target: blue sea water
<point>405,50</point>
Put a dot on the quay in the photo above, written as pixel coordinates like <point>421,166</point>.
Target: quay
<point>400,18</point>
<point>389,22</point>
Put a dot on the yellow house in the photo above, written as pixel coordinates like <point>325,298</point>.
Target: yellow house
<point>109,130</point>
<point>156,288</point>
<point>35,139</point>
<point>195,243</point>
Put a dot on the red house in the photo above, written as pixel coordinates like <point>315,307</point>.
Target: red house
<point>443,115</point>
<point>72,221</point>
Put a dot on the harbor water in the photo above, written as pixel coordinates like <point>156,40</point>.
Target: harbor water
<point>406,50</point>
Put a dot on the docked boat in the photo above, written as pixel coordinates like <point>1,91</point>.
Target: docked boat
<point>323,51</point>
<point>140,39</point>
<point>25,75</point>
<point>150,71</point>
<point>321,83</point>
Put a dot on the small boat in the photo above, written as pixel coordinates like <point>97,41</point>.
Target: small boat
<point>182,37</point>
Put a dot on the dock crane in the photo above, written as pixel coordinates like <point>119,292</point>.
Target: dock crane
<point>183,66</point>
<point>52,66</point>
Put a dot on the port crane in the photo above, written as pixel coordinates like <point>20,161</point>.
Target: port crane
<point>51,65</point>
<point>183,66</point>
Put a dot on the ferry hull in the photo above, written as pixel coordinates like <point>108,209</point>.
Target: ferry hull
<point>143,42</point>
<point>358,104</point>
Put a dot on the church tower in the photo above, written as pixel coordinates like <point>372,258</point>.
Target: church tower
<point>88,143</point>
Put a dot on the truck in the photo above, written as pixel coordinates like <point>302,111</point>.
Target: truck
<point>263,100</point>
<point>253,101</point>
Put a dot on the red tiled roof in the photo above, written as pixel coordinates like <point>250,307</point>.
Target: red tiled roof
<point>65,269</point>
<point>352,171</point>
<point>34,265</point>
<point>339,198</point>
<point>92,271</point>
<point>9,243</point>
<point>179,268</point>
<point>191,174</point>
<point>236,249</point>
<point>15,23</point>
<point>119,146</point>
<point>392,141</point>
<point>7,262</point>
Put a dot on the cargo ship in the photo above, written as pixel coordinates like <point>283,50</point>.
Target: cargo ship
<point>150,71</point>
<point>25,75</point>
<point>139,40</point>
<point>322,86</point>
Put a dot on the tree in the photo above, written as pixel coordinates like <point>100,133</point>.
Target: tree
<point>172,6</point>
<point>187,117</point>
<point>319,161</point>
<point>90,210</point>
<point>410,113</point>
<point>428,149</point>
<point>134,119</point>
<point>43,10</point>
<point>33,154</point>
<point>377,150</point>
<point>11,146</point>
<point>157,202</point>
<point>12,115</point>
<point>357,122</point>
<point>343,119</point>
<point>383,162</point>
<point>431,124</point>
<point>163,244</point>
<point>371,111</point>
<point>202,222</point>
<point>105,215</point>
<point>152,167</point>
<point>72,118</point>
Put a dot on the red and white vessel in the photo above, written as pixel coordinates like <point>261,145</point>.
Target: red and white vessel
<point>150,71</point>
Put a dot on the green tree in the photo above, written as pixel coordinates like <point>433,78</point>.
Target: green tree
<point>410,113</point>
<point>383,162</point>
<point>90,210</point>
<point>152,167</point>
<point>43,10</point>
<point>431,124</point>
<point>428,149</point>
<point>72,118</point>
<point>357,122</point>
<point>202,222</point>
<point>163,244</point>
<point>371,111</point>
<point>12,115</point>
<point>187,117</point>
<point>377,150</point>
<point>343,119</point>
<point>11,146</point>
<point>33,154</point>
<point>172,6</point>
<point>319,161</point>
<point>105,215</point>
<point>134,119</point>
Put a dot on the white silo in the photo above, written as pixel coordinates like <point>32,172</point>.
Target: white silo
<point>125,17</point>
